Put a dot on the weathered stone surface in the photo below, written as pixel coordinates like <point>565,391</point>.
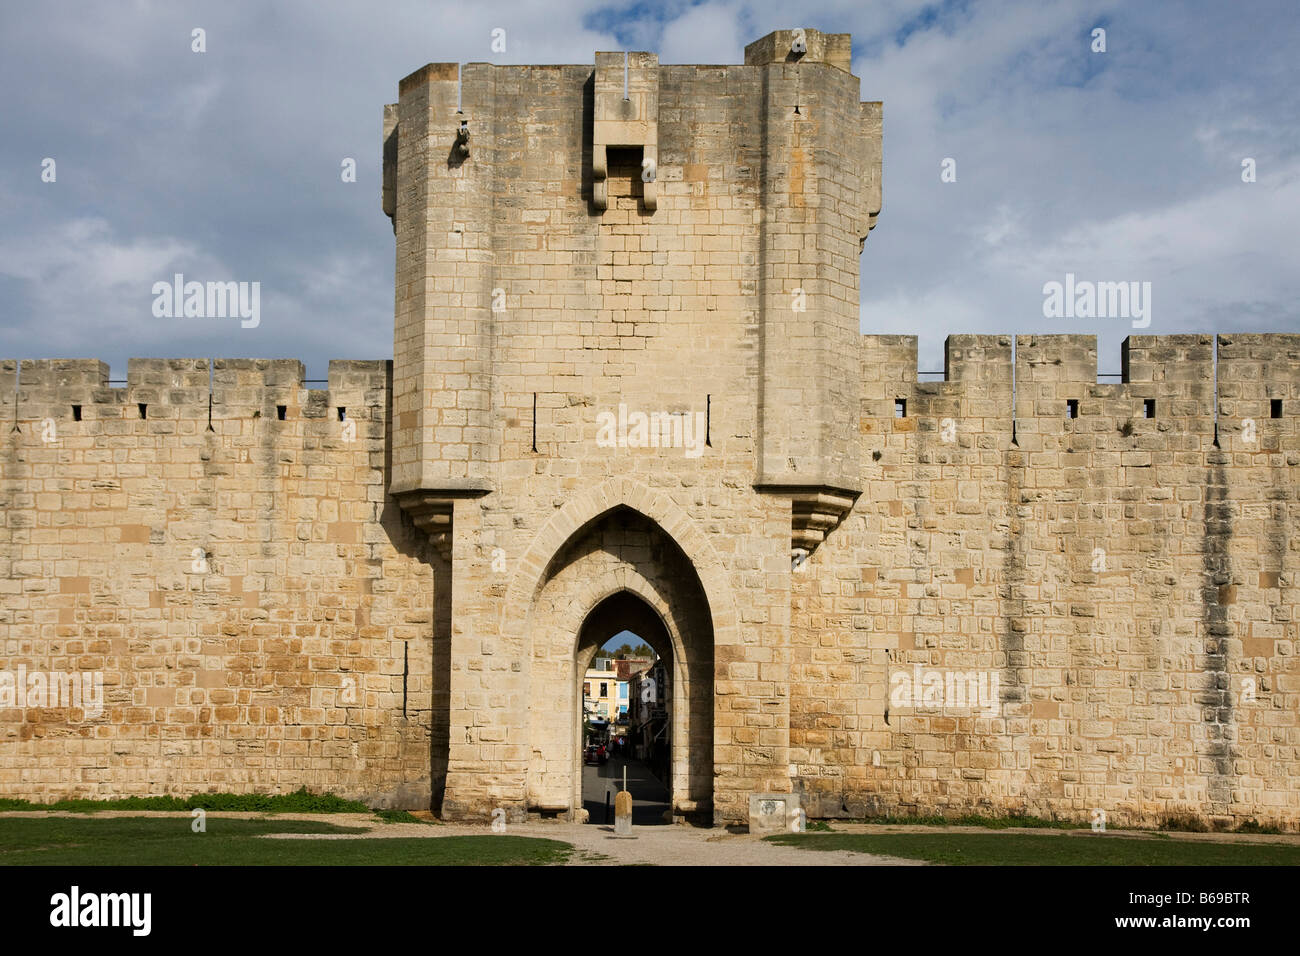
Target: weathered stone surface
<point>773,812</point>
<point>623,813</point>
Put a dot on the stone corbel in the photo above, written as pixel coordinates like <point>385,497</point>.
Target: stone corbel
<point>814,513</point>
<point>432,514</point>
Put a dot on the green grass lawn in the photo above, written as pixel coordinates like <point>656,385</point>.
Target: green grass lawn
<point>1032,849</point>
<point>300,801</point>
<point>168,841</point>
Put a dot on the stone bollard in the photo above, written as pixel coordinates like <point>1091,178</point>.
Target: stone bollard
<point>623,814</point>
<point>623,810</point>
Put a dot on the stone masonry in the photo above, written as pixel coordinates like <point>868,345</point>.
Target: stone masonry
<point>629,390</point>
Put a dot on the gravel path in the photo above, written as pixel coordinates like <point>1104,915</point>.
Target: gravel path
<point>595,844</point>
<point>652,846</point>
<point>689,846</point>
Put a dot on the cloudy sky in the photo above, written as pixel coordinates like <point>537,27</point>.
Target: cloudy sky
<point>1117,166</point>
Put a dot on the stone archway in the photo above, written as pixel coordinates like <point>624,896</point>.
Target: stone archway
<point>619,563</point>
<point>628,610</point>
<point>585,508</point>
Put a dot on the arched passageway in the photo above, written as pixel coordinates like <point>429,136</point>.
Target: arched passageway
<point>620,571</point>
<point>645,757</point>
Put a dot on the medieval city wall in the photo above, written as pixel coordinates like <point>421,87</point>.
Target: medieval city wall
<point>1130,584</point>
<point>258,607</point>
<point>1153,680</point>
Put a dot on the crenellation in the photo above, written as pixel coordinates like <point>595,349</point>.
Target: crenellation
<point>1052,370</point>
<point>985,359</point>
<point>1254,370</point>
<point>980,365</point>
<point>75,375</point>
<point>834,49</point>
<point>168,374</point>
<point>888,372</point>
<point>8,380</point>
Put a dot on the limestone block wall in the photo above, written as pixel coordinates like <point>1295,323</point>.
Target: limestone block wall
<point>226,556</point>
<point>813,173</point>
<point>547,285</point>
<point>1126,580</point>
<point>513,262</point>
<point>1251,596</point>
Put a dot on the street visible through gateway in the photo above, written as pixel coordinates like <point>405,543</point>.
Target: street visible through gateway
<point>600,782</point>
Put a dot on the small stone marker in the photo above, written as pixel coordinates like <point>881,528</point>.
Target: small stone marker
<point>623,810</point>
<point>772,812</point>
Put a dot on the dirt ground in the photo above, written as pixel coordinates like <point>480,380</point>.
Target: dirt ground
<point>669,845</point>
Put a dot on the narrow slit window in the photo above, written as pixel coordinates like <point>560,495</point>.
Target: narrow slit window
<point>279,412</point>
<point>76,413</point>
<point>900,408</point>
<point>1275,408</point>
<point>1071,408</point>
<point>144,409</point>
<point>343,413</point>
<point>1149,408</point>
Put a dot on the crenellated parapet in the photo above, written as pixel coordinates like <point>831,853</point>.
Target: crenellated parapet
<point>1198,392</point>
<point>192,395</point>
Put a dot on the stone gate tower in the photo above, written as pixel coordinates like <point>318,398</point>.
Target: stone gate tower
<point>626,380</point>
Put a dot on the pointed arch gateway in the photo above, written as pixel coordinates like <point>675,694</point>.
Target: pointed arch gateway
<point>610,557</point>
<point>627,609</point>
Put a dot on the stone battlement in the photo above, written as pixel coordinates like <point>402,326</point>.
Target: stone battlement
<point>1177,372</point>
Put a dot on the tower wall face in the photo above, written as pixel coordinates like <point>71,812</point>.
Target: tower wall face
<point>736,264</point>
<point>670,245</point>
<point>981,606</point>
